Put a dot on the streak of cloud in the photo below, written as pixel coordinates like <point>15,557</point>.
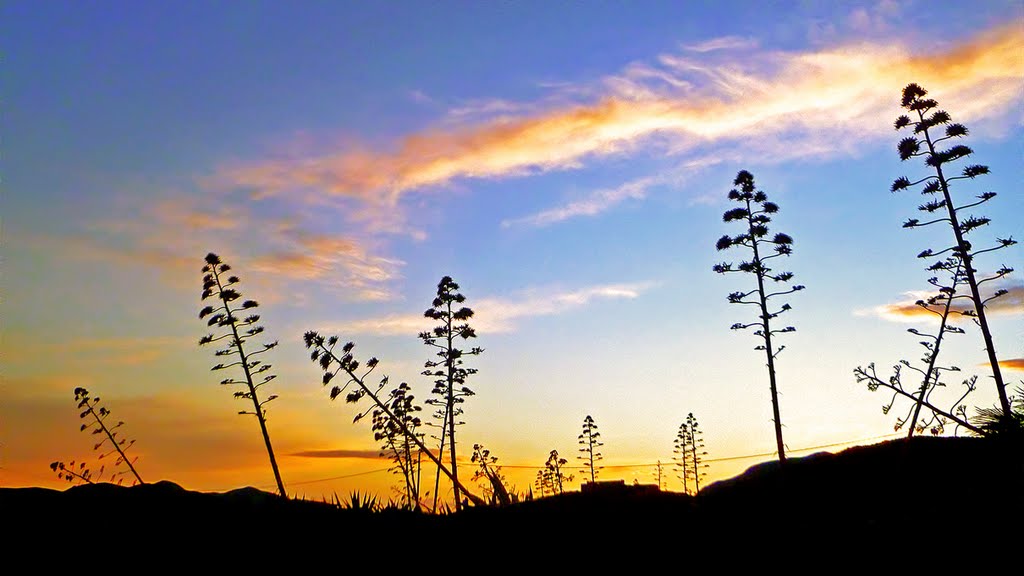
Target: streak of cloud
<point>721,43</point>
<point>1012,364</point>
<point>769,103</point>
<point>339,261</point>
<point>595,203</point>
<point>908,311</point>
<point>360,454</point>
<point>600,201</point>
<point>494,315</point>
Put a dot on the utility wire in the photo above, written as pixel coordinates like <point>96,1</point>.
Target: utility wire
<point>614,466</point>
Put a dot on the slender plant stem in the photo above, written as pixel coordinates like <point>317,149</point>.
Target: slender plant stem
<point>767,340</point>
<point>405,430</point>
<point>935,351</point>
<point>965,255</point>
<point>451,408</point>
<point>113,441</point>
<point>258,410</point>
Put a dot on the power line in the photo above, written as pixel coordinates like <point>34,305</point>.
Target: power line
<point>614,466</point>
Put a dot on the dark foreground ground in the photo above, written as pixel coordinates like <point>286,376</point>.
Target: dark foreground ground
<point>965,491</point>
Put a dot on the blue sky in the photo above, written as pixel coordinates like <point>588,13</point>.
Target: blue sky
<point>568,165</point>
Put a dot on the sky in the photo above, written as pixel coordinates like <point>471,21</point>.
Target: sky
<point>568,164</point>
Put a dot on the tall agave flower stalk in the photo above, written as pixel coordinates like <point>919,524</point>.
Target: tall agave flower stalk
<point>753,215</point>
<point>219,285</point>
<point>931,128</point>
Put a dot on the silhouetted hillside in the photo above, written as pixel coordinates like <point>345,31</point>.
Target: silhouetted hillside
<point>877,489</point>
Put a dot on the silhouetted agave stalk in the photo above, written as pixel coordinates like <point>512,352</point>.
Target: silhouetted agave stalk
<point>449,373</point>
<point>332,364</point>
<point>590,440</point>
<point>680,447</point>
<point>397,445</point>
<point>695,444</point>
<point>754,215</point>
<point>927,119</point>
<point>554,478</point>
<point>488,469</point>
<point>71,473</point>
<point>941,305</point>
<point>957,413</point>
<point>238,332</point>
<point>96,424</point>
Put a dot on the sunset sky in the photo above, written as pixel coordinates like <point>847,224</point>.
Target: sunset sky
<point>566,163</point>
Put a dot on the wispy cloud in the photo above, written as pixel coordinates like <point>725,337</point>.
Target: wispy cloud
<point>359,454</point>
<point>338,261</point>
<point>722,43</point>
<point>125,351</point>
<point>493,315</point>
<point>908,311</point>
<point>172,234</point>
<point>600,201</point>
<point>595,203</point>
<point>815,103</point>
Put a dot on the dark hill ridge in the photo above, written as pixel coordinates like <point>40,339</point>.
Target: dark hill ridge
<point>876,488</point>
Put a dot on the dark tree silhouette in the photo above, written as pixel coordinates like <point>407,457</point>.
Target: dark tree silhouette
<point>96,423</point>
<point>332,364</point>
<point>754,215</point>
<point>238,331</point>
<point>448,372</point>
<point>590,441</point>
<point>927,122</point>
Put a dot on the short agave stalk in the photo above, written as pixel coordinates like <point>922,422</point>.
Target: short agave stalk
<point>397,445</point>
<point>556,479</point>
<point>927,123</point>
<point>109,444</point>
<point>489,470</point>
<point>754,214</point>
<point>219,285</point>
<point>682,455</point>
<point>332,364</point>
<point>697,452</point>
<point>590,440</point>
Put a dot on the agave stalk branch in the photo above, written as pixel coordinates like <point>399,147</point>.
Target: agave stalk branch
<point>353,377</point>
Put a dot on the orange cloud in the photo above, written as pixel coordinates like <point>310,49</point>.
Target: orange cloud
<point>783,103</point>
<point>1013,364</point>
<point>338,261</point>
<point>1010,303</point>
